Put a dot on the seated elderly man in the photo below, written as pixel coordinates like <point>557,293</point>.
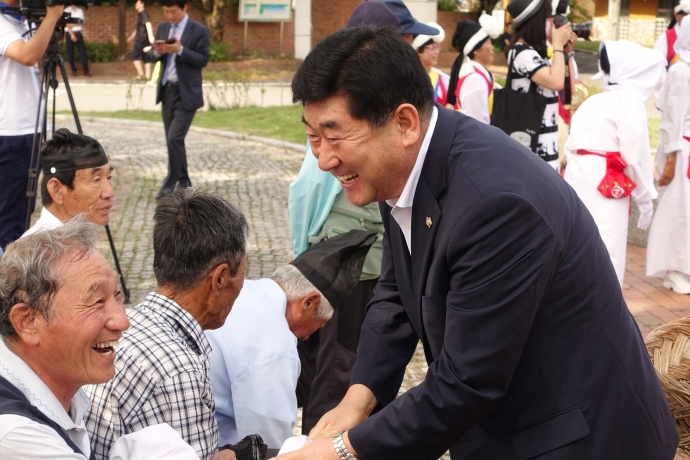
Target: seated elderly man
<point>61,314</point>
<point>163,359</point>
<point>255,365</point>
<point>76,180</point>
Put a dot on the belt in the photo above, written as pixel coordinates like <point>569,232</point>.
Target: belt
<point>171,84</point>
<point>615,184</point>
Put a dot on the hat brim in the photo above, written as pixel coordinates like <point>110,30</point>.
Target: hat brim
<point>419,28</point>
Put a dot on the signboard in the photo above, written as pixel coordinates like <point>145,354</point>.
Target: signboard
<point>265,10</point>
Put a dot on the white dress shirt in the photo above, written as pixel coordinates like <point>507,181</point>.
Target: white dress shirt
<point>47,221</point>
<point>402,206</point>
<point>22,438</point>
<point>176,30</point>
<point>255,367</point>
<point>76,13</point>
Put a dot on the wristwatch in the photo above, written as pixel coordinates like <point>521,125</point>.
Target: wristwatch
<point>341,449</point>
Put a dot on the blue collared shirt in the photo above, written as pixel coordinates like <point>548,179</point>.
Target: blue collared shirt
<point>176,30</point>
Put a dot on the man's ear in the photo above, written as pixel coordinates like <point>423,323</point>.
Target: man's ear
<point>55,189</point>
<point>25,322</point>
<point>407,119</point>
<point>220,276</point>
<point>311,302</point>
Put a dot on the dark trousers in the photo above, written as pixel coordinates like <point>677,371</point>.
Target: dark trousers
<point>15,156</point>
<point>329,355</point>
<point>82,52</point>
<point>176,121</point>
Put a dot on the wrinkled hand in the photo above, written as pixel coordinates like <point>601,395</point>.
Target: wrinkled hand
<point>317,450</point>
<point>669,171</point>
<point>352,410</point>
<point>646,211</point>
<point>226,454</point>
<point>54,12</point>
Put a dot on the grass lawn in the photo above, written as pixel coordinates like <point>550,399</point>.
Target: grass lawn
<point>282,123</point>
<point>583,45</point>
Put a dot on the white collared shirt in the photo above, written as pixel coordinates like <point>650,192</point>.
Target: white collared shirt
<point>402,206</point>
<point>170,68</point>
<point>22,438</point>
<point>47,221</point>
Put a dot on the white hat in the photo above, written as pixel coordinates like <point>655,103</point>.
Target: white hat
<point>421,39</point>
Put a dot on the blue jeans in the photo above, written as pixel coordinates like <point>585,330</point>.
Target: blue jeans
<point>15,156</point>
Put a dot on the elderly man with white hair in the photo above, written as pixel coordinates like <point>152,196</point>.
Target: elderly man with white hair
<point>61,314</point>
<point>255,365</point>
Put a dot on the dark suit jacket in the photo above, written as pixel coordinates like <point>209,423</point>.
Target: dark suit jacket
<point>194,57</point>
<point>532,351</point>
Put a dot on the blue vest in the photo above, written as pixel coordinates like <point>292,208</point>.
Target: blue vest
<point>13,401</point>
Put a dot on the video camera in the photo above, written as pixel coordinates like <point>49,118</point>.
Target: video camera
<point>34,10</point>
<point>583,30</point>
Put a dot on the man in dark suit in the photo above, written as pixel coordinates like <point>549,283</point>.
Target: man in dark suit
<point>491,260</point>
<point>179,88</point>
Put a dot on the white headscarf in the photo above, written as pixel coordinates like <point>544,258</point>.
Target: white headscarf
<point>420,39</point>
<point>633,67</point>
<point>682,7</point>
<point>682,46</point>
<point>490,28</point>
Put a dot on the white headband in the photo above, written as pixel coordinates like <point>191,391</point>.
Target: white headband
<point>489,28</point>
<point>682,7</point>
<point>527,12</point>
<point>421,39</point>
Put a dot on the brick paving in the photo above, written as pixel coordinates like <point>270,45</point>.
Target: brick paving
<point>255,177</point>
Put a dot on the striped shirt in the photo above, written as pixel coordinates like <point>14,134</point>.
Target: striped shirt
<point>162,376</point>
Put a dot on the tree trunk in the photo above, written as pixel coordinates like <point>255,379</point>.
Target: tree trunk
<point>488,5</point>
<point>213,17</point>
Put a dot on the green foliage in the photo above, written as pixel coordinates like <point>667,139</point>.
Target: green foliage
<point>583,45</point>
<point>97,52</point>
<point>221,52</point>
<point>447,5</point>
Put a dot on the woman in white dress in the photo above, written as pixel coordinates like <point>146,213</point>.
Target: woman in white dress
<point>668,249</point>
<point>608,152</point>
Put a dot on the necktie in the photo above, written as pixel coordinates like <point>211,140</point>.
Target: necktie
<point>169,62</point>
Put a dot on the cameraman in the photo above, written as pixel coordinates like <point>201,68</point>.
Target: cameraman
<point>19,101</point>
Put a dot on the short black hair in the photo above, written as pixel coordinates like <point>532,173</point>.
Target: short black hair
<point>63,141</point>
<point>193,232</point>
<point>533,30</point>
<point>372,67</point>
<point>169,3</point>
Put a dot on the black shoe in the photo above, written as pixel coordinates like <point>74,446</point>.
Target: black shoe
<point>184,184</point>
<point>162,193</point>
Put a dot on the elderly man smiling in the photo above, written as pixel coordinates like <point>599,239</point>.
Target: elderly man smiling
<point>76,179</point>
<point>61,314</point>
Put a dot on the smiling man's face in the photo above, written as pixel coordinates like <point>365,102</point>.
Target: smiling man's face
<point>91,194</point>
<point>371,164</point>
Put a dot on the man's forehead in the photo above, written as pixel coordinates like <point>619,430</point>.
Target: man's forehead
<point>331,113</point>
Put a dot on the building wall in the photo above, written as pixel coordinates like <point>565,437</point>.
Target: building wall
<point>329,16</point>
<point>449,20</point>
<point>101,25</point>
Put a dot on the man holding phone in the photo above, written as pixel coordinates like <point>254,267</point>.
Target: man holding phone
<point>182,45</point>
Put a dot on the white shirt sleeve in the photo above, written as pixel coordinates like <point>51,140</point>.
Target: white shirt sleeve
<point>264,400</point>
<point>673,104</point>
<point>474,98</point>
<point>24,439</point>
<point>633,141</point>
<point>8,34</point>
<point>661,45</point>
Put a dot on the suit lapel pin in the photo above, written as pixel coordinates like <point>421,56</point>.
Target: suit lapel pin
<point>429,223</point>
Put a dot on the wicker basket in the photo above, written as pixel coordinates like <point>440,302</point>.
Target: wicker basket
<point>669,349</point>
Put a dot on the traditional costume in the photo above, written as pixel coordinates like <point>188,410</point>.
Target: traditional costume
<point>666,41</point>
<point>668,249</point>
<point>471,84</point>
<point>608,152</point>
<point>439,79</point>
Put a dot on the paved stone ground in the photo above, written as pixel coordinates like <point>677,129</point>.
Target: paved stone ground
<point>255,177</point>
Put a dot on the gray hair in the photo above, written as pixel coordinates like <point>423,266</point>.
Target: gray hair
<point>296,286</point>
<point>194,232</point>
<point>28,272</point>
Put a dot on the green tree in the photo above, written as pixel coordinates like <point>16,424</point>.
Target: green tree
<point>213,15</point>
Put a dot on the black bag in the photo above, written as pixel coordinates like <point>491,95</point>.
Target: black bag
<point>518,114</point>
<point>251,447</point>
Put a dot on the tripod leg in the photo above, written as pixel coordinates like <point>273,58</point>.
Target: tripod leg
<point>125,291</point>
<point>39,138</point>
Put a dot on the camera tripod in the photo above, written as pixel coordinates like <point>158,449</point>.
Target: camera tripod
<point>52,60</point>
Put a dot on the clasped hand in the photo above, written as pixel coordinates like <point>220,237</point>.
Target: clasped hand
<point>160,47</point>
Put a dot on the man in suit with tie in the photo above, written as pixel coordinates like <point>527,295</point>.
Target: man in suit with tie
<point>492,261</point>
<point>182,45</point>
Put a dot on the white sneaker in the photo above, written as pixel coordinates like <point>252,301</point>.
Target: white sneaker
<point>678,282</point>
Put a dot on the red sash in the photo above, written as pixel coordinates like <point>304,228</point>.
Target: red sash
<point>461,80</point>
<point>671,36</point>
<point>687,139</point>
<point>615,184</point>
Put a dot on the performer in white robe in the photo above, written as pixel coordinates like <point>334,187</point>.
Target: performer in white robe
<point>616,121</point>
<point>668,249</point>
<point>666,41</point>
